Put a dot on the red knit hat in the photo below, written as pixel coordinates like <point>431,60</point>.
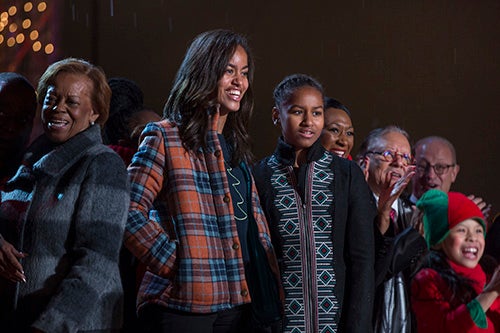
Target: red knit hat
<point>444,211</point>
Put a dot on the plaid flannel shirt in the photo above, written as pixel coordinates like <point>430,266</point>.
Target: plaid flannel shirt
<point>181,224</point>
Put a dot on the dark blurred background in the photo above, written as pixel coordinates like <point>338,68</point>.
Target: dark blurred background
<point>429,66</point>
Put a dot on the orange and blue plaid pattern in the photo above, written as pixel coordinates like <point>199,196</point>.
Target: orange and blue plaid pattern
<point>181,224</point>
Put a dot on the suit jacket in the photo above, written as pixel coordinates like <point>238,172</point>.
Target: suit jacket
<point>397,256</point>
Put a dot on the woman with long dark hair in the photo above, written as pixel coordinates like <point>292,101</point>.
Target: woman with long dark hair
<point>195,219</point>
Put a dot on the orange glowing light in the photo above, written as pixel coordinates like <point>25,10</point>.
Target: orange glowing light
<point>37,46</point>
<point>12,10</point>
<point>26,23</point>
<point>28,6</point>
<point>42,6</point>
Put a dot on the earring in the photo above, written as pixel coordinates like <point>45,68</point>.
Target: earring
<point>276,121</point>
<point>92,123</point>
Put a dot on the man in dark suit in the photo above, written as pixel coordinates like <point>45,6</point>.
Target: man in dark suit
<point>385,157</point>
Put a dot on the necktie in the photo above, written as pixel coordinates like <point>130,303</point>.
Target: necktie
<point>393,215</point>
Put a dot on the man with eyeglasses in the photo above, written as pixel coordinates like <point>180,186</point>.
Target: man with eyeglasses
<point>385,157</point>
<point>386,160</point>
<point>437,167</point>
<point>436,164</point>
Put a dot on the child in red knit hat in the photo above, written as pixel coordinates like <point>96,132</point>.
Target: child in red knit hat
<point>449,293</point>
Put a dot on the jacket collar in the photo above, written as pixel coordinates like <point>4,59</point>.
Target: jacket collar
<point>51,159</point>
<point>285,153</point>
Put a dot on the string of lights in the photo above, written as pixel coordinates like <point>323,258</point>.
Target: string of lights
<point>25,34</point>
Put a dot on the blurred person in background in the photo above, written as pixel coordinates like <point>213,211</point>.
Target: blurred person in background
<point>17,110</point>
<point>437,168</point>
<point>338,133</point>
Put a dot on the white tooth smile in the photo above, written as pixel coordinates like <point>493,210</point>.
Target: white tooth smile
<point>57,123</point>
<point>470,250</point>
<point>235,92</point>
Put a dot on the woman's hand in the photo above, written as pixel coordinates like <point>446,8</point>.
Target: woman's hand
<point>10,267</point>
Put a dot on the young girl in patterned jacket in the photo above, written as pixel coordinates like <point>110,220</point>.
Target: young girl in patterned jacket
<point>321,215</point>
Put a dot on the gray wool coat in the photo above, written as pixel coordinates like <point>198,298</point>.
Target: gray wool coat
<point>66,208</point>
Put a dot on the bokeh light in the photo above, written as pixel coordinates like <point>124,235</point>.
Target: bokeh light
<point>26,23</point>
<point>49,48</point>
<point>34,35</point>
<point>13,27</point>
<point>20,38</point>
<point>37,46</point>
<point>11,42</point>
<point>12,10</point>
<point>28,6</point>
<point>42,6</point>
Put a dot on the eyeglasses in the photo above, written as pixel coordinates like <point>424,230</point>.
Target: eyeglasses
<point>439,169</point>
<point>390,156</point>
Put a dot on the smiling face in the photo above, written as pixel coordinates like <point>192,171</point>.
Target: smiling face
<point>301,118</point>
<point>464,245</point>
<point>234,82</point>
<point>434,152</point>
<point>338,133</point>
<point>379,169</point>
<point>67,108</point>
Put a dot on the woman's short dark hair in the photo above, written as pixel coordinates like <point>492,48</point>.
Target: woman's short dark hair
<point>194,93</point>
<point>101,93</point>
<point>290,84</point>
<point>336,104</point>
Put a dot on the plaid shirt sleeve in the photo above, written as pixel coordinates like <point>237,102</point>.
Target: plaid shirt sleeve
<point>144,236</point>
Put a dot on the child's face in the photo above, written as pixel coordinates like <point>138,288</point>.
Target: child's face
<point>301,117</point>
<point>464,245</point>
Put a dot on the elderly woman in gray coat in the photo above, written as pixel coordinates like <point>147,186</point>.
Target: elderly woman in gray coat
<point>62,215</point>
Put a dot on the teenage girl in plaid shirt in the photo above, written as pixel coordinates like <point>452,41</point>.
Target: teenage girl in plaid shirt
<point>195,217</point>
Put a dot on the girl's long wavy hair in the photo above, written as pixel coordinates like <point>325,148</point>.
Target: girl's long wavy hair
<point>461,287</point>
<point>193,97</point>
